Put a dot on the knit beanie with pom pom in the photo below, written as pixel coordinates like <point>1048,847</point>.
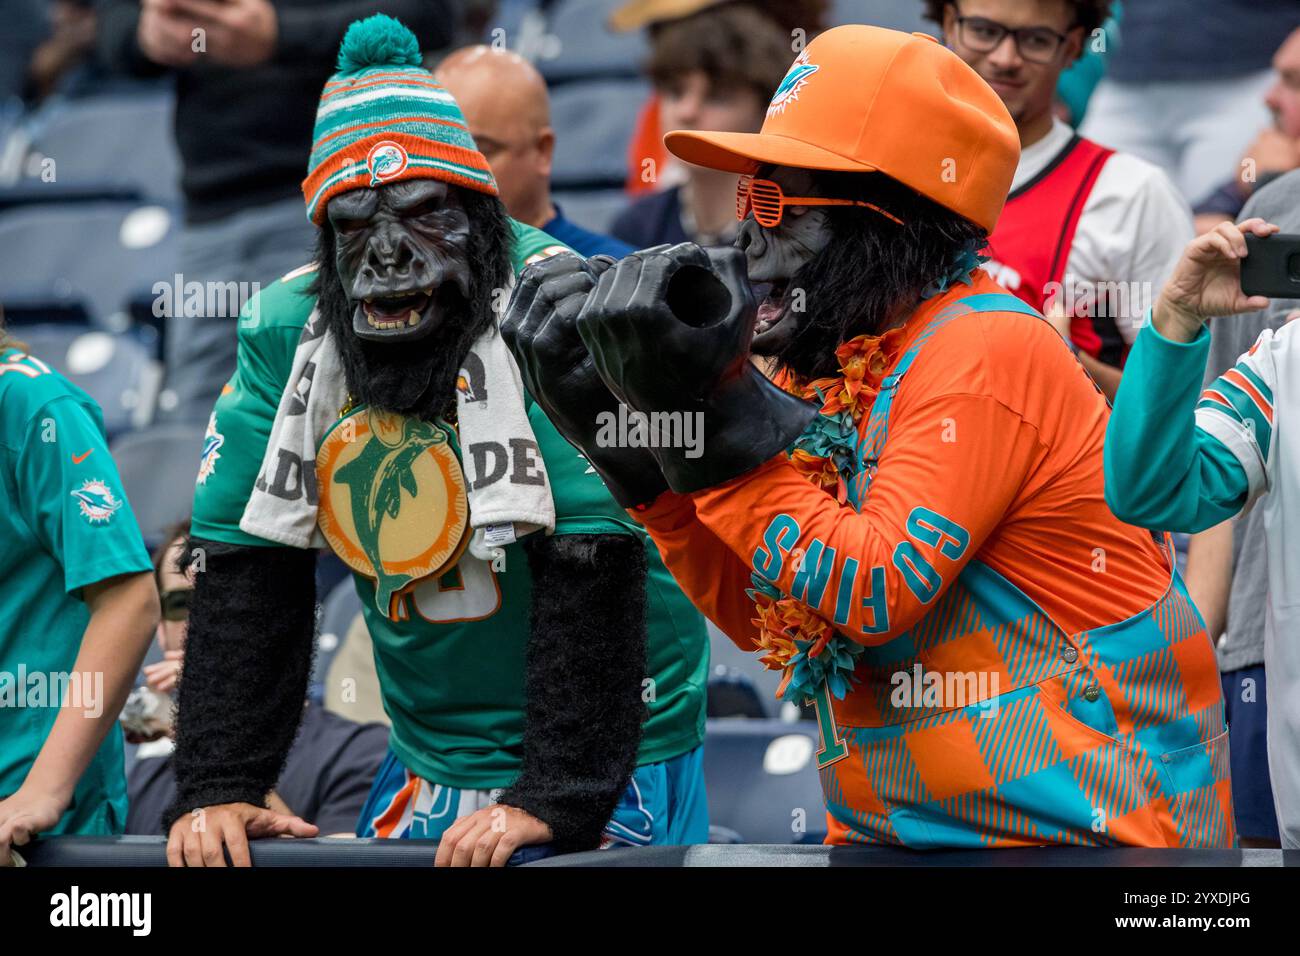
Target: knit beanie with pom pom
<point>383,117</point>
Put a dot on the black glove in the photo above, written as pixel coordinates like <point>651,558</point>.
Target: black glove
<point>540,329</point>
<point>669,331</point>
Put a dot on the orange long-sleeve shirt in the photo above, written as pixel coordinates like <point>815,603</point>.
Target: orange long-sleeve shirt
<point>994,450</point>
<point>1086,707</point>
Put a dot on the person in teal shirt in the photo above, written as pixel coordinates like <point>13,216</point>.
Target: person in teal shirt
<point>1185,459</point>
<point>1166,466</point>
<point>78,610</point>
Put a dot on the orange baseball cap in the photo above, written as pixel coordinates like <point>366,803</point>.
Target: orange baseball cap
<point>865,99</point>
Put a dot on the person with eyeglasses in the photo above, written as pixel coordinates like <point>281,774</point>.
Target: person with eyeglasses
<point>1088,234</point>
<point>78,608</point>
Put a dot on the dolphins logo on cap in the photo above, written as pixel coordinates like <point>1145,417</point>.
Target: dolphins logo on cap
<point>795,79</point>
<point>386,160</point>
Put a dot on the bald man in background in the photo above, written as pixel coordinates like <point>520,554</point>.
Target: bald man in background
<point>505,103</point>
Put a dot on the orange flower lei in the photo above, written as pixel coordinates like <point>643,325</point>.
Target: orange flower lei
<point>786,627</point>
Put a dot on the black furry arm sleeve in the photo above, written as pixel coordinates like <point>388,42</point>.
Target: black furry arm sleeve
<point>586,661</point>
<point>247,661</point>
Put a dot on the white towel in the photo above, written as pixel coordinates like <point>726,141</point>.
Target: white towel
<point>509,492</point>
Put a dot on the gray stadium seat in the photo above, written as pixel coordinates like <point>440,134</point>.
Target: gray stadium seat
<point>732,694</point>
<point>339,609</point>
<point>762,780</point>
<point>584,46</point>
<point>726,658</point>
<point>594,210</point>
<point>99,252</point>
<point>570,40</point>
<point>40,304</point>
<point>115,370</point>
<point>158,467</point>
<point>122,141</point>
<point>593,123</point>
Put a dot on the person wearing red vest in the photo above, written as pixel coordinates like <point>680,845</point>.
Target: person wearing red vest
<point>1088,235</point>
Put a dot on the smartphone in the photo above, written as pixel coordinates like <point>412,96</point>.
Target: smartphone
<point>1272,266</point>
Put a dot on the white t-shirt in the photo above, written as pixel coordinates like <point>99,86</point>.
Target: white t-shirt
<point>1249,410</point>
<point>1133,228</point>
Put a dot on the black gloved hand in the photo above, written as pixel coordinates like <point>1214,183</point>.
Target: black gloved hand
<point>539,327</point>
<point>669,331</point>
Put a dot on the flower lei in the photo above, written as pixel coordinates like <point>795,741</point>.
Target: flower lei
<point>793,637</point>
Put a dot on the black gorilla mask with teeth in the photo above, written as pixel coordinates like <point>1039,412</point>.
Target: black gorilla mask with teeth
<point>839,271</point>
<point>408,274</point>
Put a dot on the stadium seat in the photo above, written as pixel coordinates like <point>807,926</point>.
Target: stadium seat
<point>721,835</point>
<point>732,694</point>
<point>593,122</point>
<point>338,611</point>
<point>592,209</point>
<point>121,143</point>
<point>40,304</point>
<point>158,467</point>
<point>11,144</point>
<point>725,655</point>
<point>99,252</point>
<point>584,46</point>
<point>115,370</point>
<point>567,39</point>
<point>762,780</point>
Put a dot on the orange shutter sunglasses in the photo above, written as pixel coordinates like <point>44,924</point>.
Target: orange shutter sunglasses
<point>768,201</point>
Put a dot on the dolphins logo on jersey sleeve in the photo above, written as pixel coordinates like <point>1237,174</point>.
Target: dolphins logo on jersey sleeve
<point>212,442</point>
<point>96,501</point>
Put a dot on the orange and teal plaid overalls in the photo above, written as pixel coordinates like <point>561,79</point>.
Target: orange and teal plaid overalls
<point>1094,738</point>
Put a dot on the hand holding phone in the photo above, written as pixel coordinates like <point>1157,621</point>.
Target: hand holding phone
<point>1206,282</point>
<point>1272,266</point>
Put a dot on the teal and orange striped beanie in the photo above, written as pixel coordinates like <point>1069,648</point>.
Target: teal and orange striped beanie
<point>383,117</point>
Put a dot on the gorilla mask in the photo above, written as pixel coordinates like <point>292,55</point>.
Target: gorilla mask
<point>406,281</point>
<point>835,272</point>
<point>403,256</point>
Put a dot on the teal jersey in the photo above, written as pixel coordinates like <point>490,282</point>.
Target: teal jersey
<point>452,671</point>
<point>65,524</point>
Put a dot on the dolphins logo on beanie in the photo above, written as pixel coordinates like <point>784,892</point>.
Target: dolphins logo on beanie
<point>383,118</point>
